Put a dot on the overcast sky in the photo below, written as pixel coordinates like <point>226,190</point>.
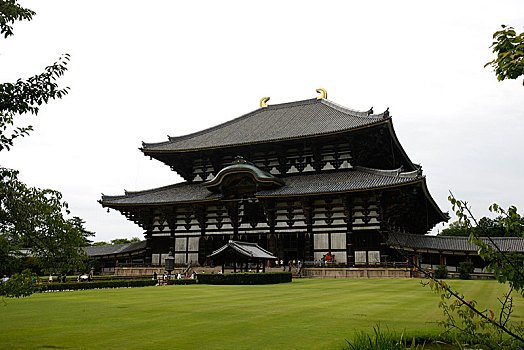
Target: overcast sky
<point>140,71</point>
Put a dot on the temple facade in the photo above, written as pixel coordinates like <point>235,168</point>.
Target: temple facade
<point>300,179</point>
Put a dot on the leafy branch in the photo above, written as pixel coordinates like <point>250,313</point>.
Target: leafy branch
<point>509,47</point>
<point>25,96</point>
<point>446,292</point>
<point>507,266</point>
<point>10,12</point>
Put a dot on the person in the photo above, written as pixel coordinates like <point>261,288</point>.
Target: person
<point>283,266</point>
<point>50,280</point>
<point>64,277</point>
<point>289,265</point>
<point>89,278</point>
<point>155,275</point>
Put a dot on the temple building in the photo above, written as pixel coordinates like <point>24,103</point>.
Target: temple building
<point>300,179</point>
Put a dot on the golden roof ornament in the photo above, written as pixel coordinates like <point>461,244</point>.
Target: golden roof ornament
<point>323,94</point>
<point>263,102</point>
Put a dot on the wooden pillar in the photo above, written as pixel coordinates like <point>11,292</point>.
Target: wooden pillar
<point>307,210</point>
<point>149,243</point>
<point>348,219</point>
<point>441,259</point>
<point>172,241</point>
<point>187,250</point>
<point>415,261</point>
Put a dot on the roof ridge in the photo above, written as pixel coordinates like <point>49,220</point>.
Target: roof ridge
<point>229,122</point>
<point>128,194</point>
<point>453,237</point>
<point>390,172</point>
<point>362,114</point>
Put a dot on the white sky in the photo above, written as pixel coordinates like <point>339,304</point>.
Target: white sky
<point>142,70</point>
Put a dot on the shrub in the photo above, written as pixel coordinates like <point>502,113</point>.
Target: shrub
<point>465,270</point>
<point>381,340</point>
<point>181,281</point>
<point>19,285</point>
<point>95,285</point>
<point>441,272</point>
<point>245,278</point>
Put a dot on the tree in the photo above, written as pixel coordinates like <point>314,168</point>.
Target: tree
<point>507,266</point>
<point>117,241</point>
<point>509,47</point>
<point>98,244</point>
<point>486,227</point>
<point>462,314</point>
<point>473,323</point>
<point>30,217</point>
<point>125,240</point>
<point>34,218</point>
<point>10,12</point>
<point>455,229</point>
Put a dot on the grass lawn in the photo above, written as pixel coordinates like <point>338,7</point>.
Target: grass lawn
<point>304,314</point>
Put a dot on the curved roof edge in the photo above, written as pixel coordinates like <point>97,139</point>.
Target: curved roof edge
<point>374,119</point>
<point>399,146</point>
<point>444,215</point>
<point>243,166</point>
<point>393,173</point>
<point>450,243</point>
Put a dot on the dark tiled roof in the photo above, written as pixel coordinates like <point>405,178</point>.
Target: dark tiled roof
<point>358,178</point>
<point>249,250</point>
<point>451,243</point>
<point>276,122</point>
<point>114,248</point>
<point>177,193</point>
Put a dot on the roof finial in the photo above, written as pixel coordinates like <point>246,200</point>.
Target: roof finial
<point>323,94</point>
<point>263,102</point>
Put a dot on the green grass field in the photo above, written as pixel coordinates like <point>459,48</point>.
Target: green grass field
<point>304,314</point>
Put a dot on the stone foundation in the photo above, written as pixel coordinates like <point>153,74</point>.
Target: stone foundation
<point>353,272</point>
<point>149,271</point>
<point>350,272</point>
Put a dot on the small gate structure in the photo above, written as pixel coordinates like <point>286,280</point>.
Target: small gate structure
<point>241,254</point>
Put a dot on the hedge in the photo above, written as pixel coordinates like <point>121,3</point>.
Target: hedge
<point>95,285</point>
<point>181,281</point>
<point>245,278</point>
